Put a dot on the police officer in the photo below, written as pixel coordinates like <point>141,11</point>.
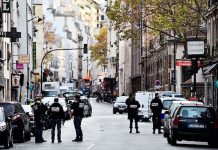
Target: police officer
<point>132,108</point>
<point>39,111</point>
<point>78,113</point>
<point>156,108</point>
<point>128,99</point>
<point>56,114</point>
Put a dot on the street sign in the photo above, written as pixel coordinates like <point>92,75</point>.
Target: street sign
<point>157,82</point>
<point>23,59</point>
<point>6,6</point>
<point>13,34</point>
<point>195,47</point>
<point>183,63</point>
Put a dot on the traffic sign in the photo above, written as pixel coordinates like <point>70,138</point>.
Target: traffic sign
<point>157,82</point>
<point>183,63</point>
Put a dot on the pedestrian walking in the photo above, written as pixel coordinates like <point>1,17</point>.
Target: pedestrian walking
<point>156,108</point>
<point>56,114</point>
<point>132,108</point>
<point>78,113</point>
<point>39,111</point>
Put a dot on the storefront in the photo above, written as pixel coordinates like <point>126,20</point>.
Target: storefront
<point>211,85</point>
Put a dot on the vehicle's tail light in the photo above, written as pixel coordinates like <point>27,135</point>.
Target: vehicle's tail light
<point>176,121</point>
<point>15,118</point>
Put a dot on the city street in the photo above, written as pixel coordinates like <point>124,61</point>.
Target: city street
<point>105,131</point>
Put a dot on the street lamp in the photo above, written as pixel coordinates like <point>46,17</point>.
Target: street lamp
<point>35,30</point>
<point>84,48</point>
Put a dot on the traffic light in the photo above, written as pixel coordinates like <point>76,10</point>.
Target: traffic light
<point>194,66</point>
<point>21,79</point>
<point>85,49</point>
<point>44,77</point>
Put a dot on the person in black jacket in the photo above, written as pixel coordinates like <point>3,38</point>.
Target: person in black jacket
<point>56,114</point>
<point>156,108</point>
<point>132,108</point>
<point>78,113</point>
<point>39,110</point>
<point>128,99</point>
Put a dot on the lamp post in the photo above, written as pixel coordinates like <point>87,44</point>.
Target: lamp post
<point>27,43</point>
<point>50,52</point>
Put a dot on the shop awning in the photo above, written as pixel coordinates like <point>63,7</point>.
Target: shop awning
<point>207,69</point>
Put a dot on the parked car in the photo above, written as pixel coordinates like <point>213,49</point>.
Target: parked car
<point>29,111</point>
<point>6,135</point>
<point>167,101</point>
<point>120,105</point>
<point>193,123</point>
<point>19,118</point>
<point>170,111</point>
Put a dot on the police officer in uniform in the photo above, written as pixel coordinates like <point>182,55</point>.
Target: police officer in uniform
<point>156,108</point>
<point>132,108</point>
<point>78,113</point>
<point>39,111</point>
<point>128,99</point>
<point>56,114</point>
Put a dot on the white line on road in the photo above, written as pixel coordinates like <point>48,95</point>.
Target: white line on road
<point>90,147</point>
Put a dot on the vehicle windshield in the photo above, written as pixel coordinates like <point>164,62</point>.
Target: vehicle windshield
<point>167,104</point>
<point>9,108</point>
<point>27,108</point>
<point>121,99</point>
<point>1,116</point>
<point>63,90</point>
<point>194,112</point>
<point>50,94</point>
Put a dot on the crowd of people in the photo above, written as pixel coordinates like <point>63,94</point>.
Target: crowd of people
<point>56,114</point>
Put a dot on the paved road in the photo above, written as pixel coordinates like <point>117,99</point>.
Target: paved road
<point>105,131</point>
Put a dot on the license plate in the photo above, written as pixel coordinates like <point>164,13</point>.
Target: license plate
<point>196,126</point>
<point>121,108</point>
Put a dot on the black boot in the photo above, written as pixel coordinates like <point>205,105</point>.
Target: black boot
<point>130,131</point>
<point>154,131</point>
<point>137,131</point>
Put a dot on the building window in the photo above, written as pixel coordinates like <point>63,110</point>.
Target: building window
<point>102,17</point>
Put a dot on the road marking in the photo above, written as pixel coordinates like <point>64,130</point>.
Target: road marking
<point>90,147</point>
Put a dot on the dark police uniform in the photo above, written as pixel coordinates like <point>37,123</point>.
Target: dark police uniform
<point>78,113</point>
<point>156,108</point>
<point>39,111</point>
<point>132,108</point>
<point>56,114</point>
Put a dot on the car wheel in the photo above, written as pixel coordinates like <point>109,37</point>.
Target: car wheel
<point>120,112</point>
<point>6,144</point>
<point>212,143</point>
<point>114,112</point>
